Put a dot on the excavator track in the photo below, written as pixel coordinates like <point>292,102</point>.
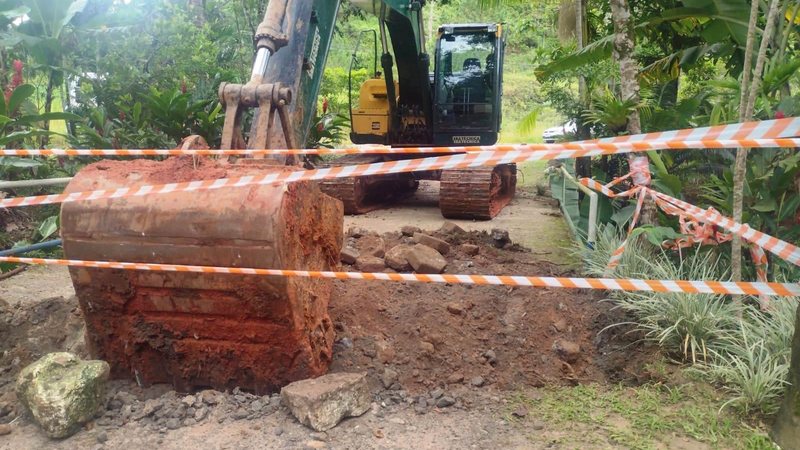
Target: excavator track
<point>360,195</point>
<point>477,193</point>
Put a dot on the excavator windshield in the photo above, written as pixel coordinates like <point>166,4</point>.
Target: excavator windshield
<point>466,81</point>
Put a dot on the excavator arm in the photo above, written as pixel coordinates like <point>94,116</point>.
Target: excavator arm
<point>291,48</point>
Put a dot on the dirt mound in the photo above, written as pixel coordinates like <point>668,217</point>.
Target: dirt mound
<point>434,335</point>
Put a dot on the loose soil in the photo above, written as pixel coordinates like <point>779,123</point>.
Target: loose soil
<point>477,345</point>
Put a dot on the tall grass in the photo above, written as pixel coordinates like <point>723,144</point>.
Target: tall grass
<point>733,344</point>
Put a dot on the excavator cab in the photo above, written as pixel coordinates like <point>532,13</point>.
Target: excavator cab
<point>468,80</point>
<point>466,88</point>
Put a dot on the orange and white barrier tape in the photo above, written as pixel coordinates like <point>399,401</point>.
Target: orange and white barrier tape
<point>765,129</point>
<point>461,160</point>
<point>607,147</point>
<point>780,248</point>
<point>767,133</point>
<point>694,287</point>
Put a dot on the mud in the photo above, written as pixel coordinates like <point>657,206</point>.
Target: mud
<point>198,330</point>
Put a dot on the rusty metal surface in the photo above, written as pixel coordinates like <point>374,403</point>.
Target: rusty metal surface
<point>363,194</point>
<point>200,330</point>
<point>476,193</point>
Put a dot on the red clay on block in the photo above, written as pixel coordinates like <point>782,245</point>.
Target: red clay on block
<point>204,330</point>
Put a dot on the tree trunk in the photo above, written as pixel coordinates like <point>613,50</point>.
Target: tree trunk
<point>623,53</point>
<point>740,166</point>
<point>48,105</point>
<point>629,85</point>
<point>786,430</point>
<point>3,70</point>
<point>583,165</point>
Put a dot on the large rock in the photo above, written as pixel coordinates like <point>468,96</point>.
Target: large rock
<point>451,228</point>
<point>432,242</point>
<point>396,258</point>
<point>349,255</point>
<point>409,230</point>
<point>424,259</point>
<point>62,392</point>
<point>370,264</point>
<point>323,402</point>
<point>371,245</point>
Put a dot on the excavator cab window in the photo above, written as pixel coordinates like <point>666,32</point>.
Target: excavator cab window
<point>467,83</point>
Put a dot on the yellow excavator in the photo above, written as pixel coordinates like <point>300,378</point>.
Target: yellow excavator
<point>198,330</point>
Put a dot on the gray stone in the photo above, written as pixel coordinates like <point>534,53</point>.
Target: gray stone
<point>491,357</point>
<point>432,242</point>
<point>356,232</point>
<point>323,402</point>
<point>370,264</point>
<point>189,422</point>
<point>567,350</point>
<point>470,250</point>
<point>240,414</point>
<point>209,397</point>
<point>349,255</point>
<point>436,393</point>
<point>372,246</point>
<point>101,436</point>
<point>477,381</point>
<point>201,413</point>
<point>424,259</point>
<point>62,392</point>
<point>396,258</point>
<point>445,402</point>
<point>500,237</point>
<point>409,230</point>
<point>389,377</point>
<point>450,228</point>
<point>150,407</point>
<point>173,424</point>
<point>520,412</point>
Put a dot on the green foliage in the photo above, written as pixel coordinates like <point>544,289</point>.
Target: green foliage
<point>742,349</point>
<point>18,123</point>
<point>329,130</point>
<point>771,202</point>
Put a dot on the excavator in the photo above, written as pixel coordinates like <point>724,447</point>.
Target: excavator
<point>197,330</point>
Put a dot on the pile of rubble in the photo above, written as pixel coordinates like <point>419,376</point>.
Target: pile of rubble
<point>416,251</point>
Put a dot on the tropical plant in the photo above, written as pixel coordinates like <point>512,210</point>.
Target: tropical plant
<point>19,121</point>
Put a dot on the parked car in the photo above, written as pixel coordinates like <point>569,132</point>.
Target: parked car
<point>558,133</point>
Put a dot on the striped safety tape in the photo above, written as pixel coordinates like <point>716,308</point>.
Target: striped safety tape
<point>766,129</point>
<point>692,287</point>
<point>778,247</point>
<point>461,160</point>
<point>622,147</point>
